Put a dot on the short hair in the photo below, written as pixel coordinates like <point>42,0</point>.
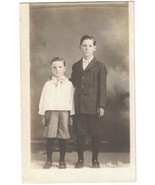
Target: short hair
<point>55,59</point>
<point>85,37</point>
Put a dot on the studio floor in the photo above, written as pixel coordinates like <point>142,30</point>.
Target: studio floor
<point>107,159</point>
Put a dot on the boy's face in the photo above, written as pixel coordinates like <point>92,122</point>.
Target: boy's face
<point>87,48</point>
<point>58,69</point>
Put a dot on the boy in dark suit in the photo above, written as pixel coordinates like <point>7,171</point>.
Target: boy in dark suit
<point>89,79</point>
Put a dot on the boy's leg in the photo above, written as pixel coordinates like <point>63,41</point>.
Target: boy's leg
<point>62,147</point>
<point>95,147</point>
<point>49,148</point>
<point>80,127</point>
<point>49,151</point>
<point>80,150</point>
<point>80,146</point>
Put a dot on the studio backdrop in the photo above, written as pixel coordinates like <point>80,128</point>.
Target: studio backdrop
<point>56,31</point>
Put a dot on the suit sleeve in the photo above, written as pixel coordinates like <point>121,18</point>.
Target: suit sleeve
<point>102,86</point>
<point>72,79</point>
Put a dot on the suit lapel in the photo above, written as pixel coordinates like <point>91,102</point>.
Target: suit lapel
<point>91,64</point>
<point>81,66</point>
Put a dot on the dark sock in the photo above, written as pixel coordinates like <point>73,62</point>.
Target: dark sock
<point>80,146</point>
<point>95,146</point>
<point>62,146</point>
<point>49,148</point>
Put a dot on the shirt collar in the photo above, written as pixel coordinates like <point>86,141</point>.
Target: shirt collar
<point>87,61</point>
<point>58,81</point>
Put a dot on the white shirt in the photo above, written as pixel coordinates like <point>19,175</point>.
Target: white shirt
<point>57,95</point>
<point>86,62</point>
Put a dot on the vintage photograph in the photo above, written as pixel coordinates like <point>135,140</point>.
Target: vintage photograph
<point>77,91</point>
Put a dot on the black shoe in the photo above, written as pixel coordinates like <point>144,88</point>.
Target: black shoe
<point>95,164</point>
<point>62,165</point>
<point>79,164</point>
<point>47,165</point>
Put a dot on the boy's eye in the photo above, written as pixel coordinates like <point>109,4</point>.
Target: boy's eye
<point>84,45</point>
<point>57,67</point>
<point>87,46</point>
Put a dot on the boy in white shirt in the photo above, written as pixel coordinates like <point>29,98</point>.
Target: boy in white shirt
<point>56,107</point>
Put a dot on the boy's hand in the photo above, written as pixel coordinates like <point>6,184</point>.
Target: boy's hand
<point>43,120</point>
<point>100,111</point>
<point>70,121</point>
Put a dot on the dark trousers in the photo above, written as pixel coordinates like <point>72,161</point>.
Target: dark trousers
<point>95,140</point>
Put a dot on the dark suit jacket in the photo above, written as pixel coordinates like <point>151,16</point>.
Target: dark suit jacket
<point>90,86</point>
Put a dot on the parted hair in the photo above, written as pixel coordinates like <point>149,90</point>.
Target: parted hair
<point>55,59</point>
<point>85,37</point>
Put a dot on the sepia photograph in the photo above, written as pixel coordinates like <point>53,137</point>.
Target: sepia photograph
<point>77,92</point>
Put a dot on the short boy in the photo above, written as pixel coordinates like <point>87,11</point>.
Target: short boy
<point>56,107</point>
<point>89,79</point>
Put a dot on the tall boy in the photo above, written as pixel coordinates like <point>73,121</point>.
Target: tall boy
<point>89,79</point>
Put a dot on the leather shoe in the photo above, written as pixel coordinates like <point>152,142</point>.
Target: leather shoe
<point>62,165</point>
<point>79,164</point>
<point>47,165</point>
<point>95,164</point>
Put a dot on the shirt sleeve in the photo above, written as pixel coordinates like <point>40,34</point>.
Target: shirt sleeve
<point>42,101</point>
<point>72,111</point>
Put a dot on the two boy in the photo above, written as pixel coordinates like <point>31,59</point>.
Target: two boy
<point>89,80</point>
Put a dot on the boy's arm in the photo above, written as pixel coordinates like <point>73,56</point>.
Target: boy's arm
<point>102,90</point>
<point>42,101</point>
<point>70,121</point>
<point>72,79</point>
<point>100,111</point>
<point>72,109</point>
<point>43,119</point>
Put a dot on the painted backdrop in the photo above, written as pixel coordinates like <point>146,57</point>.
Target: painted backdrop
<point>56,31</point>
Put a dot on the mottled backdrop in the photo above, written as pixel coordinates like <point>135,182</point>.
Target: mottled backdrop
<point>56,31</point>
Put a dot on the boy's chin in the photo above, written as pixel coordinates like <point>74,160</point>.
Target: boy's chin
<point>58,76</point>
<point>87,55</point>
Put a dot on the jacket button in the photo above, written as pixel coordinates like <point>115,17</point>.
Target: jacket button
<point>82,86</point>
<point>83,77</point>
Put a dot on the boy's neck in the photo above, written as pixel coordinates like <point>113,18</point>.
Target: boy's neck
<point>60,77</point>
<point>89,57</point>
